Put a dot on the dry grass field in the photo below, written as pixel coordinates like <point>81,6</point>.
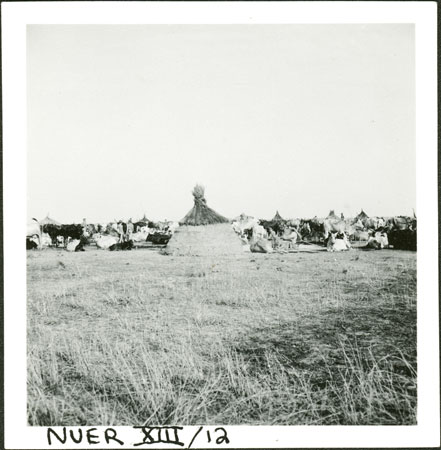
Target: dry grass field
<point>131,338</point>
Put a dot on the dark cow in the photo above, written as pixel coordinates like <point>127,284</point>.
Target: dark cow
<point>53,231</point>
<point>312,230</point>
<point>31,243</point>
<point>305,229</point>
<point>278,226</point>
<point>127,245</point>
<point>403,239</point>
<point>143,223</point>
<point>66,231</point>
<point>140,224</point>
<point>158,238</point>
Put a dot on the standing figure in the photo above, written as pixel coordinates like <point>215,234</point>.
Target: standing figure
<point>85,229</point>
<point>120,229</point>
<point>130,229</point>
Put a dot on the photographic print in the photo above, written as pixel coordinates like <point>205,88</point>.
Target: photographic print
<point>222,227</point>
<point>295,303</point>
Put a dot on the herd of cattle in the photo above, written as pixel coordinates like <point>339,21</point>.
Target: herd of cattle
<point>333,232</point>
<point>108,236</point>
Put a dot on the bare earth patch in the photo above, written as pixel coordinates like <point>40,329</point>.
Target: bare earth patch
<point>137,337</point>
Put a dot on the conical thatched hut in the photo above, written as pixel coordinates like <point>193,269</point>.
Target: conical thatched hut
<point>277,217</point>
<point>48,221</point>
<point>362,215</point>
<point>201,213</point>
<point>332,215</point>
<point>203,232</point>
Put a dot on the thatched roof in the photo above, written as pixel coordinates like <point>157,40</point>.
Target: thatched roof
<point>201,213</point>
<point>277,216</point>
<point>48,221</point>
<point>362,215</point>
<point>332,215</point>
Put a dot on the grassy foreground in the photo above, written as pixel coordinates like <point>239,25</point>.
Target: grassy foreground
<point>130,338</point>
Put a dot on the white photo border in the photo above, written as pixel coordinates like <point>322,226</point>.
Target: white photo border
<point>17,15</point>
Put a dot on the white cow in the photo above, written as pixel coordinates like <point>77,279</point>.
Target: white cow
<point>139,236</point>
<point>105,242</point>
<point>72,245</point>
<point>338,244</point>
<point>260,245</point>
<point>378,240</point>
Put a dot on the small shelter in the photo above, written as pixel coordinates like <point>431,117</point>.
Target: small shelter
<point>362,215</point>
<point>48,221</point>
<point>143,220</point>
<point>332,215</point>
<point>277,217</point>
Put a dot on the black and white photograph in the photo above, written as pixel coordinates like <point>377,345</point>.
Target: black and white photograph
<point>222,226</point>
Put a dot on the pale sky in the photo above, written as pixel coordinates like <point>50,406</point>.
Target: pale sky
<point>124,120</point>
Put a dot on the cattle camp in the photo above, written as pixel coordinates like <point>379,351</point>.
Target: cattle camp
<point>332,233</point>
<point>210,319</point>
<point>224,219</point>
